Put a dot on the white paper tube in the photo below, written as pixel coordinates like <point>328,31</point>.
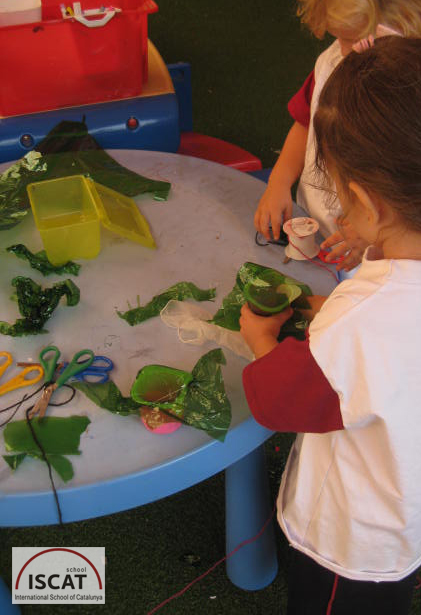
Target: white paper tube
<point>302,238</point>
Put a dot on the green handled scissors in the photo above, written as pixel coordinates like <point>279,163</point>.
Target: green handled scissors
<point>80,361</point>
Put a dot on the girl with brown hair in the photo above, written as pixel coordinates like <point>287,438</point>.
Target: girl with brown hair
<point>350,498</point>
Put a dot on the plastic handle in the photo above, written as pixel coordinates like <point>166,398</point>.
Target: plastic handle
<point>79,16</point>
<point>49,364</point>
<point>21,381</point>
<point>75,366</point>
<point>6,363</point>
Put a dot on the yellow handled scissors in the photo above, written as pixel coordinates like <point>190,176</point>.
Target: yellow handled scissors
<point>20,380</point>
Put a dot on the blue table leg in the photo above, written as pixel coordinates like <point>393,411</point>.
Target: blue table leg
<point>255,565</point>
<point>6,606</point>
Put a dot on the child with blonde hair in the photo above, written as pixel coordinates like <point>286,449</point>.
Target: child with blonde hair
<point>350,497</point>
<point>348,21</point>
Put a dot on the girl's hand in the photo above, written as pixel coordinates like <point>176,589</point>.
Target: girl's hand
<point>346,243</point>
<point>365,43</point>
<point>275,207</point>
<point>261,332</point>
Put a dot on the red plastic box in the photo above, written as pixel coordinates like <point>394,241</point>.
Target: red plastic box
<point>60,62</point>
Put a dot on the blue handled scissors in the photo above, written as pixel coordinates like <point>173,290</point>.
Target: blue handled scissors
<point>97,372</point>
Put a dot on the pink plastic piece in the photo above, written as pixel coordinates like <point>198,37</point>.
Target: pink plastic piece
<point>165,428</point>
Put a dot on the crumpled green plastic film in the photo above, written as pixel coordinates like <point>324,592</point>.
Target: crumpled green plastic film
<point>57,436</point>
<point>207,405</point>
<point>107,395</point>
<point>36,305</point>
<point>40,262</point>
<point>68,149</point>
<point>203,403</point>
<point>179,291</point>
<point>228,315</point>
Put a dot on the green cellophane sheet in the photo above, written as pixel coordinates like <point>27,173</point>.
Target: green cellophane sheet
<point>228,315</point>
<point>179,292</point>
<point>68,149</point>
<point>57,436</point>
<point>107,395</point>
<point>40,262</point>
<point>36,305</point>
<point>205,404</point>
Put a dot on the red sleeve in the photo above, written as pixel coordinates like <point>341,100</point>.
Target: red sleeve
<point>299,105</point>
<point>287,391</point>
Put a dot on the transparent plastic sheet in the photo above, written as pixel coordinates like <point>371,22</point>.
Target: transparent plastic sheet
<point>179,292</point>
<point>193,327</point>
<point>197,399</point>
<point>37,304</point>
<point>40,262</point>
<point>58,437</point>
<point>68,149</point>
<point>228,316</point>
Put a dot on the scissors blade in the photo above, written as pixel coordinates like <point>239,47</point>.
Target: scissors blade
<point>41,405</point>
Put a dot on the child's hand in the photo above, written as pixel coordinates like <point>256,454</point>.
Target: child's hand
<point>346,243</point>
<point>275,207</point>
<point>365,43</point>
<point>261,332</point>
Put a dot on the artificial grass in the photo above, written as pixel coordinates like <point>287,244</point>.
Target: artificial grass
<point>247,59</point>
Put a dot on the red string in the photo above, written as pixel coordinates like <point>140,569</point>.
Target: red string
<point>332,597</point>
<point>223,559</point>
<point>315,262</point>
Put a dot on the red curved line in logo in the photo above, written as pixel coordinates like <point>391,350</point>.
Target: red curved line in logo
<point>58,549</point>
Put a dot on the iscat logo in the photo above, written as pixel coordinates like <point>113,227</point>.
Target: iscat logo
<point>58,575</point>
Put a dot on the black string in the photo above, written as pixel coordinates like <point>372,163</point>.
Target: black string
<point>282,241</point>
<point>44,456</point>
<point>17,405</point>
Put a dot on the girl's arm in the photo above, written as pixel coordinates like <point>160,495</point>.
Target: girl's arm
<point>276,202</point>
<point>285,388</point>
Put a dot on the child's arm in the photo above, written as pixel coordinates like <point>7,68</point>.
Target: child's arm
<point>261,332</point>
<point>285,388</point>
<point>276,202</point>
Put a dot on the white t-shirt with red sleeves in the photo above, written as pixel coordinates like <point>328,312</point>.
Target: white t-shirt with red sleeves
<point>309,196</point>
<point>351,498</point>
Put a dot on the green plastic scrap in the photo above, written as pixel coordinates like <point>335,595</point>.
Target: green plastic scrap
<point>57,436</point>
<point>36,305</point>
<point>202,404</point>
<point>68,149</point>
<point>180,291</point>
<point>40,262</point>
<point>228,315</point>
<point>107,395</point>
<point>207,406</point>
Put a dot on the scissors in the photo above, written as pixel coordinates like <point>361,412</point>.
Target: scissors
<point>97,372</point>
<point>20,380</point>
<point>49,365</point>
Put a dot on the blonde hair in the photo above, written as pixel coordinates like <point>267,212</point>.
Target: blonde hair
<point>361,16</point>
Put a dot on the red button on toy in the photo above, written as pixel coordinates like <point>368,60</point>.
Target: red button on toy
<point>132,123</point>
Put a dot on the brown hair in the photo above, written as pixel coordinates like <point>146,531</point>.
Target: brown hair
<point>361,16</point>
<point>368,123</point>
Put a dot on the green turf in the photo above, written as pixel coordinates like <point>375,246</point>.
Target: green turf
<point>247,59</point>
